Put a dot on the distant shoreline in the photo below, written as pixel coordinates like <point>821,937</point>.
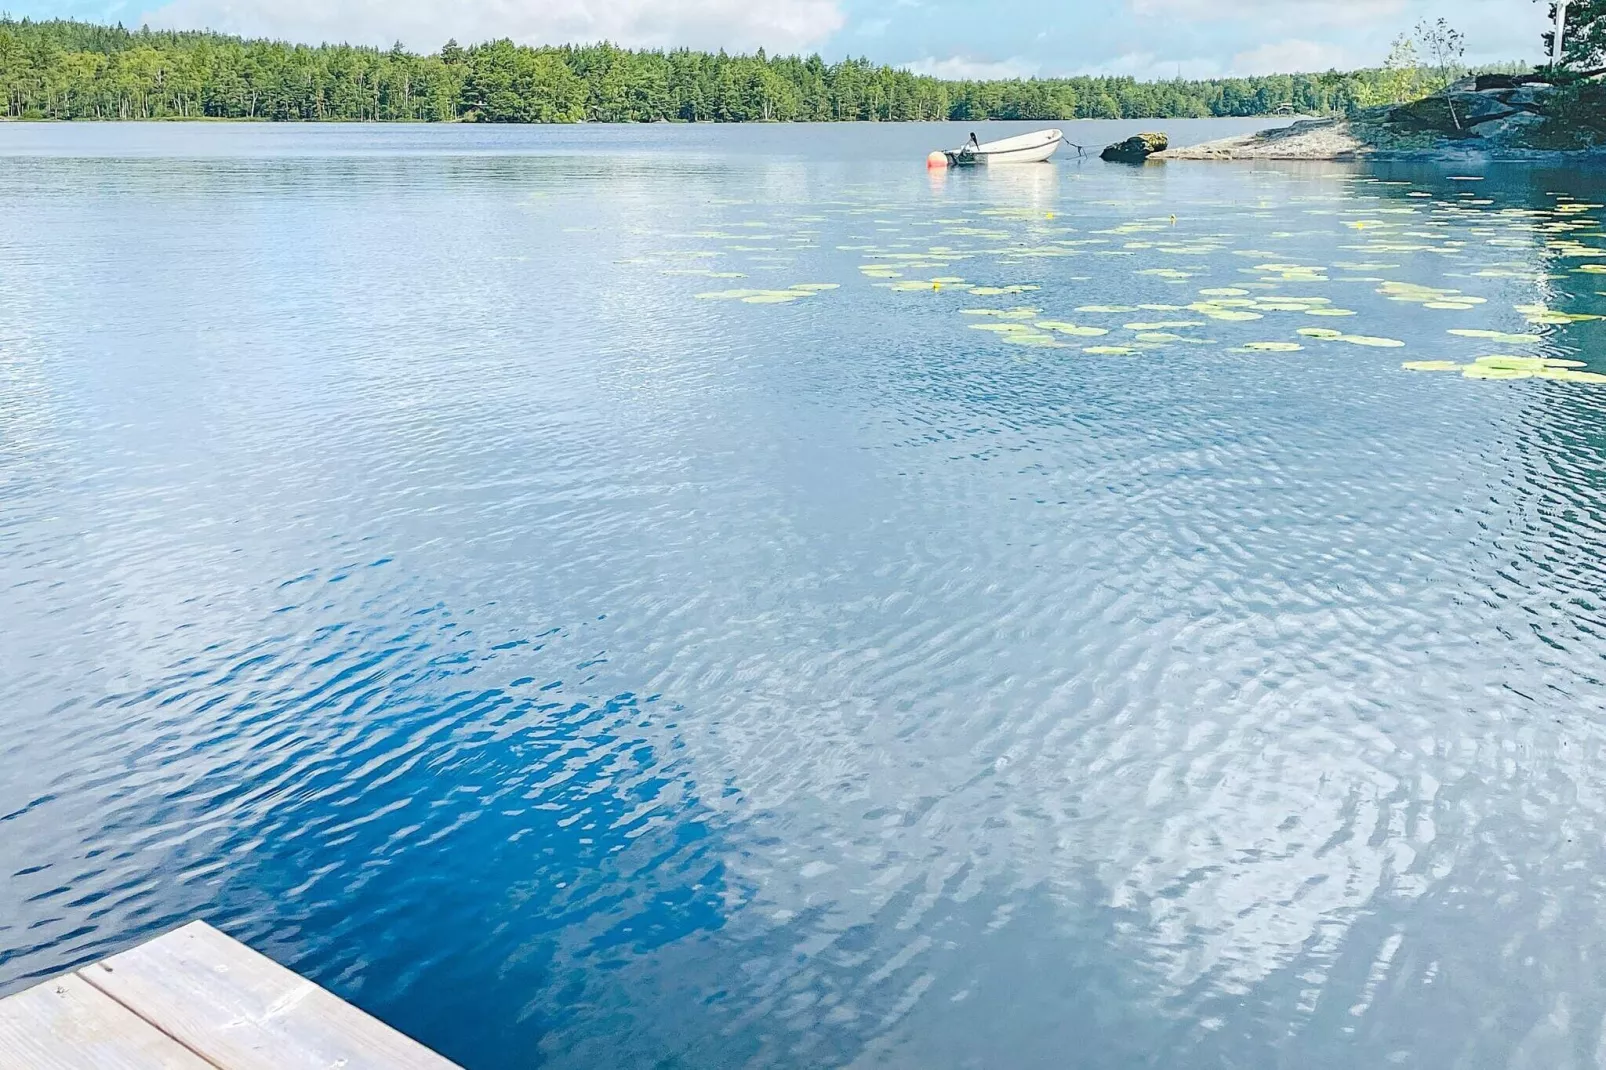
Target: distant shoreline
<point>64,69</point>
<point>202,120</point>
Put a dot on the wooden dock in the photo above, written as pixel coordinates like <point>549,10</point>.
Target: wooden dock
<point>196,1000</point>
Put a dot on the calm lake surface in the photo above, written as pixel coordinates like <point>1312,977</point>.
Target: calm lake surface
<point>406,570</point>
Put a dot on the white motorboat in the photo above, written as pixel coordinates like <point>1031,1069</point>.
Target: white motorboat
<point>1023,148</point>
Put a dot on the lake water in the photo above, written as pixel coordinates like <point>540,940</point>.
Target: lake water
<point>406,570</point>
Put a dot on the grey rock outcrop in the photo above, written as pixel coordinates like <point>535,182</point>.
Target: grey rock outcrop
<point>1527,97</point>
<point>1492,110</point>
<point>1507,126</point>
<point>1451,111</point>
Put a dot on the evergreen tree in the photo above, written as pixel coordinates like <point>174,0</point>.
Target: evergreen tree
<point>63,69</point>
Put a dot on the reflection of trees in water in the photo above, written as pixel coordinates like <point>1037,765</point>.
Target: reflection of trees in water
<point>1561,485</point>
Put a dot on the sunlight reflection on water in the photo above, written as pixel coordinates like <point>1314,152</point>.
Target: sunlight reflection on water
<point>409,572</point>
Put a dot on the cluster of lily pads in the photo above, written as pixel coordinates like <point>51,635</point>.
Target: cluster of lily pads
<point>1022,326</point>
<point>910,261</point>
<point>1501,366</point>
<point>1429,296</point>
<point>792,293</point>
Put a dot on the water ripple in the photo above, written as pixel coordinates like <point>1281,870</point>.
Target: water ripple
<point>406,571</point>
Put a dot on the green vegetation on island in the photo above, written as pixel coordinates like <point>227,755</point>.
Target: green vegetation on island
<point>75,70</point>
<point>1424,102</point>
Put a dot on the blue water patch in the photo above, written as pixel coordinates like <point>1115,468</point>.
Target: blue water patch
<point>725,596</point>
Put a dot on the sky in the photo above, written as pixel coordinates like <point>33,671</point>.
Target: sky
<point>1149,39</point>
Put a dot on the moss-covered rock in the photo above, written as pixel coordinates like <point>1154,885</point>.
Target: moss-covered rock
<point>1135,149</point>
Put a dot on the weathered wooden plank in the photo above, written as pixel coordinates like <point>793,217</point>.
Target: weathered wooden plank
<point>243,1011</point>
<point>68,1024</point>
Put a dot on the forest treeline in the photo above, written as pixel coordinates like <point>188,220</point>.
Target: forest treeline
<point>74,70</point>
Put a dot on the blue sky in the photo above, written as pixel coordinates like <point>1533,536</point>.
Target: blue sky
<point>957,38</point>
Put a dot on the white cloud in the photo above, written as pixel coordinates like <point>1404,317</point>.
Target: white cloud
<point>1497,30</point>
<point>961,68</point>
<point>1293,57</point>
<point>1304,12</point>
<point>778,25</point>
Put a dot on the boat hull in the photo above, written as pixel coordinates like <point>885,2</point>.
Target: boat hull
<point>1027,148</point>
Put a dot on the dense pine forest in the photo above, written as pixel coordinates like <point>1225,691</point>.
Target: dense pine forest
<point>76,70</point>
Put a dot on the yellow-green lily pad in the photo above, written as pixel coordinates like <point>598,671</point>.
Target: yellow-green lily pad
<point>1369,340</point>
<point>1480,371</point>
<point>1071,328</point>
<point>1496,336</point>
<point>1516,364</point>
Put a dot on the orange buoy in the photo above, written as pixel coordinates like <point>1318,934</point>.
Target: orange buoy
<point>936,160</point>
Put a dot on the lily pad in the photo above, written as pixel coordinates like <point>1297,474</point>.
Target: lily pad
<point>1071,329</point>
<point>1109,351</point>
<point>1496,336</point>
<point>1521,363</point>
<point>1479,371</point>
<point>1272,347</point>
<point>1541,314</point>
<point>1516,364</point>
<point>1319,332</point>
